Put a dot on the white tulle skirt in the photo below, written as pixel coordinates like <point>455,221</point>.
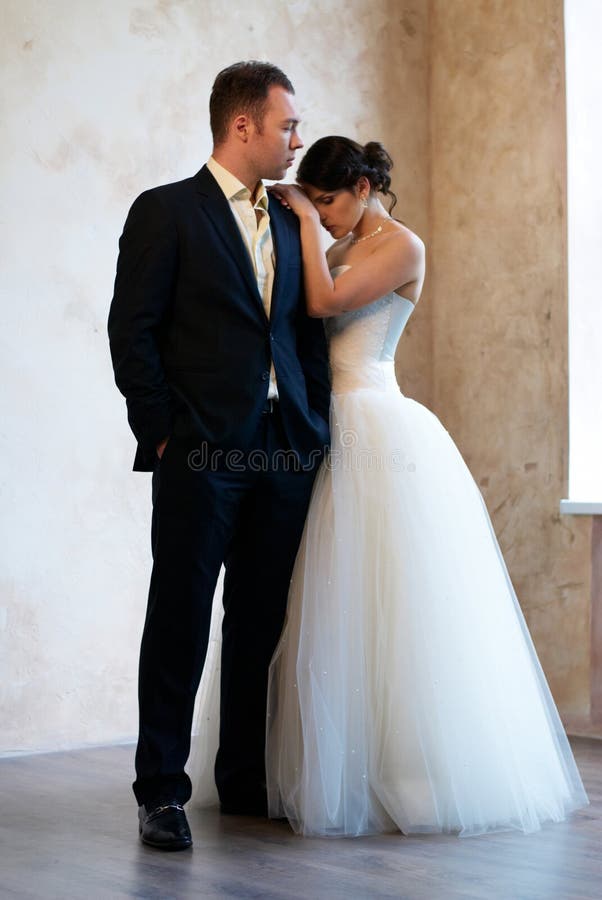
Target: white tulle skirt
<point>405,692</point>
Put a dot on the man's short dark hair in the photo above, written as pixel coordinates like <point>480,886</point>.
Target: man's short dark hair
<point>243,89</point>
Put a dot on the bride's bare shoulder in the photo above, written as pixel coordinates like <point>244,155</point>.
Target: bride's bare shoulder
<point>336,252</point>
<point>405,234</point>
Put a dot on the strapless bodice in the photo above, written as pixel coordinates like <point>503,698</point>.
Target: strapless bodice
<point>362,342</point>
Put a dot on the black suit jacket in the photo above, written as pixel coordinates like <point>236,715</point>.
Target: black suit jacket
<point>190,341</point>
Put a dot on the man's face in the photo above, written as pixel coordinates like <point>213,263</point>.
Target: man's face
<point>274,142</point>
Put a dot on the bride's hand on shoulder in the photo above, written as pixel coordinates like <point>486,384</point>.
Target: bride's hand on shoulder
<point>294,198</point>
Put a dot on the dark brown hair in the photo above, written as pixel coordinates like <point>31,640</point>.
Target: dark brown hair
<point>242,88</point>
<point>337,162</point>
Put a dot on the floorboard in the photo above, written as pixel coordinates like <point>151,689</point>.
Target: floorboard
<point>68,830</point>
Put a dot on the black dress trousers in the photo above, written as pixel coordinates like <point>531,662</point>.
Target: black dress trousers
<point>246,511</point>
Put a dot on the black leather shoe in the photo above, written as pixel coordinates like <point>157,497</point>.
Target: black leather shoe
<point>164,827</point>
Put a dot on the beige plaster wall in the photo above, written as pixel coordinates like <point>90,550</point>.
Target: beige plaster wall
<point>498,279</point>
<point>100,101</point>
<point>405,104</point>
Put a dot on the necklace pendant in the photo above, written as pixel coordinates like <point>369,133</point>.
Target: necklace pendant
<point>368,236</point>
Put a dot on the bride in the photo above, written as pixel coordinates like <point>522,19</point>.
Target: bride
<point>405,692</point>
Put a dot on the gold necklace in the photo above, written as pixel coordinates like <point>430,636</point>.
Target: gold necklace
<point>372,234</point>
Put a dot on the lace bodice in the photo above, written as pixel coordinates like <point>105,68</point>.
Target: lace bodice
<point>362,342</point>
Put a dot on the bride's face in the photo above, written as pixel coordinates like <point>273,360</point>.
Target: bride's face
<point>339,211</point>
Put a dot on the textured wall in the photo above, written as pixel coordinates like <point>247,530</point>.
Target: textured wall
<point>100,101</point>
<point>500,303</point>
<point>405,91</point>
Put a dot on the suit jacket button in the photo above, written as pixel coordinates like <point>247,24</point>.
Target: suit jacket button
<point>265,376</point>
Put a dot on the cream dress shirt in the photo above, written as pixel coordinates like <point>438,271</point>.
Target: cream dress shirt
<point>253,222</point>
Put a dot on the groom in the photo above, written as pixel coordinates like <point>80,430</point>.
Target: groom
<point>226,382</point>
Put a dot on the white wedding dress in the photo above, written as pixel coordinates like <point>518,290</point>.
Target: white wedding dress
<point>405,692</point>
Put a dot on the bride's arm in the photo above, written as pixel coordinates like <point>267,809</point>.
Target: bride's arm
<point>397,260</point>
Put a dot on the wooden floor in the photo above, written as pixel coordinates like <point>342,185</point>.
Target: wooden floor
<point>68,829</point>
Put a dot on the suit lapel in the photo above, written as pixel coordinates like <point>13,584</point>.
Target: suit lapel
<point>218,210</point>
<point>280,238</point>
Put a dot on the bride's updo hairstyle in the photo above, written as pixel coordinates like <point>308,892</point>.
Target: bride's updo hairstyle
<point>337,162</point>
